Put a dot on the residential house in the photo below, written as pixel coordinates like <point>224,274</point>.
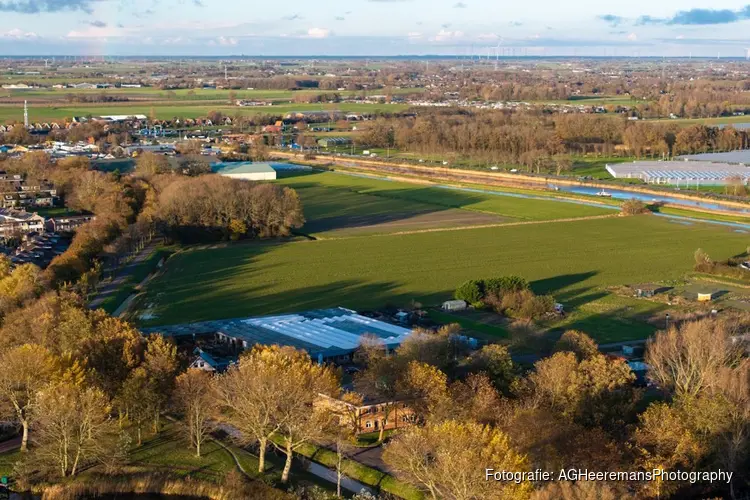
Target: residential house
<point>67,223</point>
<point>205,361</point>
<point>19,221</point>
<point>370,416</point>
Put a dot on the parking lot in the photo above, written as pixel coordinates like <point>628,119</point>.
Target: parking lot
<point>40,249</point>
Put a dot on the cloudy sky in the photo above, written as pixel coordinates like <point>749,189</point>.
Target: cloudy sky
<point>375,27</point>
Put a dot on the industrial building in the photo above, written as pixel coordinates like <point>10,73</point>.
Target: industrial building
<point>326,334</point>
<point>740,156</point>
<point>245,170</point>
<point>679,173</point>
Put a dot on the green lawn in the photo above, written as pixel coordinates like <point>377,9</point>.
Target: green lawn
<point>334,202</point>
<point>193,94</point>
<point>709,121</point>
<point>168,451</point>
<point>596,167</point>
<point>54,211</point>
<point>362,473</point>
<point>572,260</point>
<point>178,110</point>
<point>141,272</point>
<point>7,461</point>
<point>476,329</point>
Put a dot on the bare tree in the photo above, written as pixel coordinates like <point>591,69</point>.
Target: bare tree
<point>687,359</point>
<point>24,372</point>
<point>271,392</point>
<point>194,397</point>
<point>74,428</point>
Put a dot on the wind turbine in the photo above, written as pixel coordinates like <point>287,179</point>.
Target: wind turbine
<point>497,53</point>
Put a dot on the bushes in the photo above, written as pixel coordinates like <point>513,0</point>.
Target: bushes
<point>476,291</point>
<point>472,292</point>
<point>633,207</point>
<point>525,305</point>
<point>728,269</point>
<point>509,295</point>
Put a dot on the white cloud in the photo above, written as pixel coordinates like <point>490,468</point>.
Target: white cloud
<point>18,34</point>
<point>100,32</point>
<point>318,33</point>
<point>227,41</point>
<point>445,35</point>
<point>414,35</point>
<point>632,37</point>
<point>488,36</point>
<point>178,40</point>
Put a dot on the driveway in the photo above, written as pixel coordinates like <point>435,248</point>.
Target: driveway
<point>371,457</point>
<point>10,444</point>
<point>111,287</point>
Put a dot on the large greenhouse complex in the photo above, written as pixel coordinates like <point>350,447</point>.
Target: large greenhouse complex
<point>680,173</point>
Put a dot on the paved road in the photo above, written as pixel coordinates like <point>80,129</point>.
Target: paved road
<point>10,444</point>
<point>371,457</point>
<point>111,287</point>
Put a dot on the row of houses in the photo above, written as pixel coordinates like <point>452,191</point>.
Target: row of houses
<point>15,192</point>
<point>20,222</point>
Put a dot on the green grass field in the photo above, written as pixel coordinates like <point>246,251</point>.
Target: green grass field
<point>572,260</point>
<point>192,94</point>
<point>178,110</point>
<point>709,121</point>
<point>343,205</point>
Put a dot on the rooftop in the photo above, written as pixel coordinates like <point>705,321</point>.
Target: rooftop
<point>675,171</point>
<point>242,167</point>
<point>326,332</point>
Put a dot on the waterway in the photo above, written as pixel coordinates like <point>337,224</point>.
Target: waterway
<point>673,201</point>
<point>616,194</point>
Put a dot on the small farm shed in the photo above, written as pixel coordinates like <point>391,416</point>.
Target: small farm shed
<point>454,305</point>
<point>648,290</point>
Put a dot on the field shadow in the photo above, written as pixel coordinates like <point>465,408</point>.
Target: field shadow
<point>557,283</point>
<point>618,325</point>
<point>330,207</point>
<point>573,299</point>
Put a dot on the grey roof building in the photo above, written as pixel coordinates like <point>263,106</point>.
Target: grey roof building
<point>323,333</point>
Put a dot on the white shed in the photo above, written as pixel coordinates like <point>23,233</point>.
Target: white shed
<point>454,305</point>
<point>245,170</point>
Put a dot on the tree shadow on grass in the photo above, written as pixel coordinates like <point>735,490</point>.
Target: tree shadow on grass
<point>621,324</point>
<point>254,301</point>
<point>557,283</point>
<point>347,206</point>
<point>578,297</point>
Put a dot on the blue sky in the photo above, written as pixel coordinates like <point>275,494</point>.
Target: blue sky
<point>374,27</point>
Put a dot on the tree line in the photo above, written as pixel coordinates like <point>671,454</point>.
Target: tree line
<point>536,140</point>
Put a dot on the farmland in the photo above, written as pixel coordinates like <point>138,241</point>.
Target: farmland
<point>344,205</point>
<point>575,260</point>
<point>177,109</point>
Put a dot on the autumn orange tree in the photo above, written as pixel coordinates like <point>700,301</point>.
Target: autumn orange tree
<point>448,460</point>
<point>24,372</point>
<point>270,393</point>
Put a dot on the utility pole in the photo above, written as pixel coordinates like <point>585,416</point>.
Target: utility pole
<point>25,114</point>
